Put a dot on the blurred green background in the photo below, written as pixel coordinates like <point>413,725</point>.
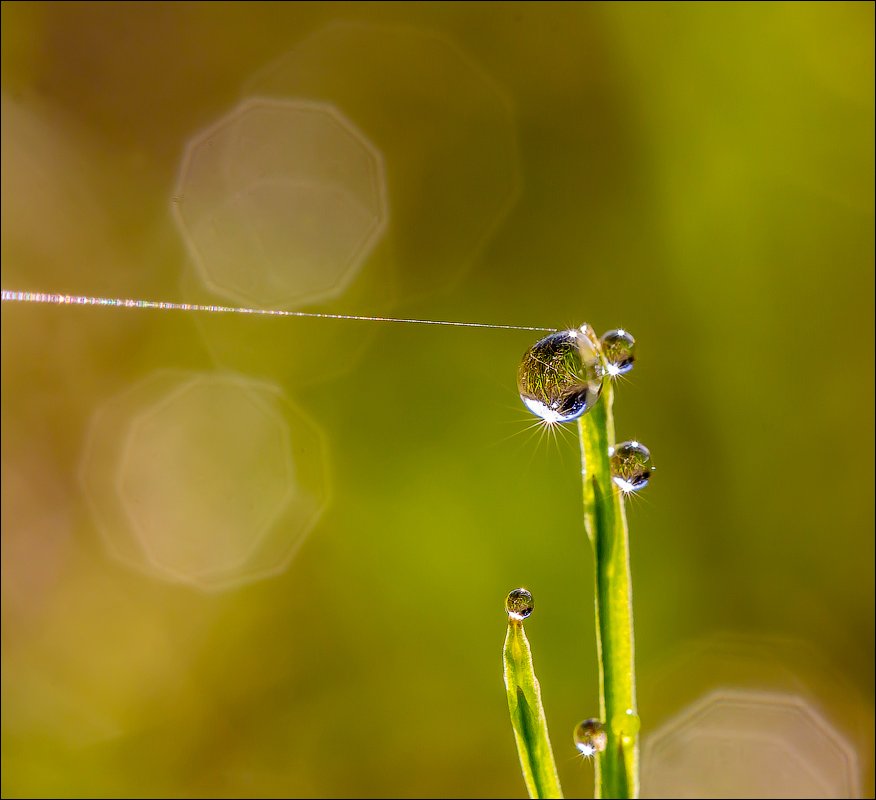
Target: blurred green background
<point>700,174</point>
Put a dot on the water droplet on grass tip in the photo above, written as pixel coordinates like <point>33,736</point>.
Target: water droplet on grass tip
<point>519,604</point>
<point>630,466</point>
<point>590,737</point>
<point>619,351</point>
<point>560,376</point>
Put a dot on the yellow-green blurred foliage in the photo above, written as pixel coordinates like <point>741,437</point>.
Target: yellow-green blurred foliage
<point>700,174</point>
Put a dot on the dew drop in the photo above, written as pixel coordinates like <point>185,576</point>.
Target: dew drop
<point>519,604</point>
<point>627,724</point>
<point>619,351</point>
<point>560,376</point>
<point>590,737</point>
<point>630,466</point>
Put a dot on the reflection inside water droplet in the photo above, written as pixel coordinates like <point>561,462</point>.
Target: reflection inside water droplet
<point>619,351</point>
<point>630,466</point>
<point>519,604</point>
<point>560,376</point>
<point>590,737</point>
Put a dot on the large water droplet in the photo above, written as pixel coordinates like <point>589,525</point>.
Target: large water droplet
<point>590,737</point>
<point>630,465</point>
<point>560,376</point>
<point>619,351</point>
<point>519,604</point>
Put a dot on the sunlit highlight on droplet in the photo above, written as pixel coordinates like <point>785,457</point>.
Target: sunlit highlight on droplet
<point>590,737</point>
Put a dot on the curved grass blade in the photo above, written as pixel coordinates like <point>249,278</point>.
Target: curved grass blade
<point>527,716</point>
<point>617,768</point>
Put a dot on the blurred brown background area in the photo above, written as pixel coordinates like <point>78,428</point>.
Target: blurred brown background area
<point>268,557</point>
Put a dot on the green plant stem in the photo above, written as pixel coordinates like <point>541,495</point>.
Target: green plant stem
<point>527,716</point>
<point>617,768</point>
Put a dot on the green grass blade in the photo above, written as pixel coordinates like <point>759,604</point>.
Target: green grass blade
<point>617,768</point>
<point>527,716</point>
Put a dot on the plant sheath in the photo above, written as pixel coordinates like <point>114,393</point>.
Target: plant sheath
<point>617,768</point>
<point>527,716</point>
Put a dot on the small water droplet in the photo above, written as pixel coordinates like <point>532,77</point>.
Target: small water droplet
<point>630,466</point>
<point>560,376</point>
<point>627,724</point>
<point>519,604</point>
<point>590,737</point>
<point>619,351</point>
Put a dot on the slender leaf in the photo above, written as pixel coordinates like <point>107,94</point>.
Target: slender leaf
<point>527,716</point>
<point>617,768</point>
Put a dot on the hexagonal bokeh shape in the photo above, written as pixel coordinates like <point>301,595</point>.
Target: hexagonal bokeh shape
<point>280,202</point>
<point>446,128</point>
<point>739,743</point>
<point>210,480</point>
<point>192,430</point>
